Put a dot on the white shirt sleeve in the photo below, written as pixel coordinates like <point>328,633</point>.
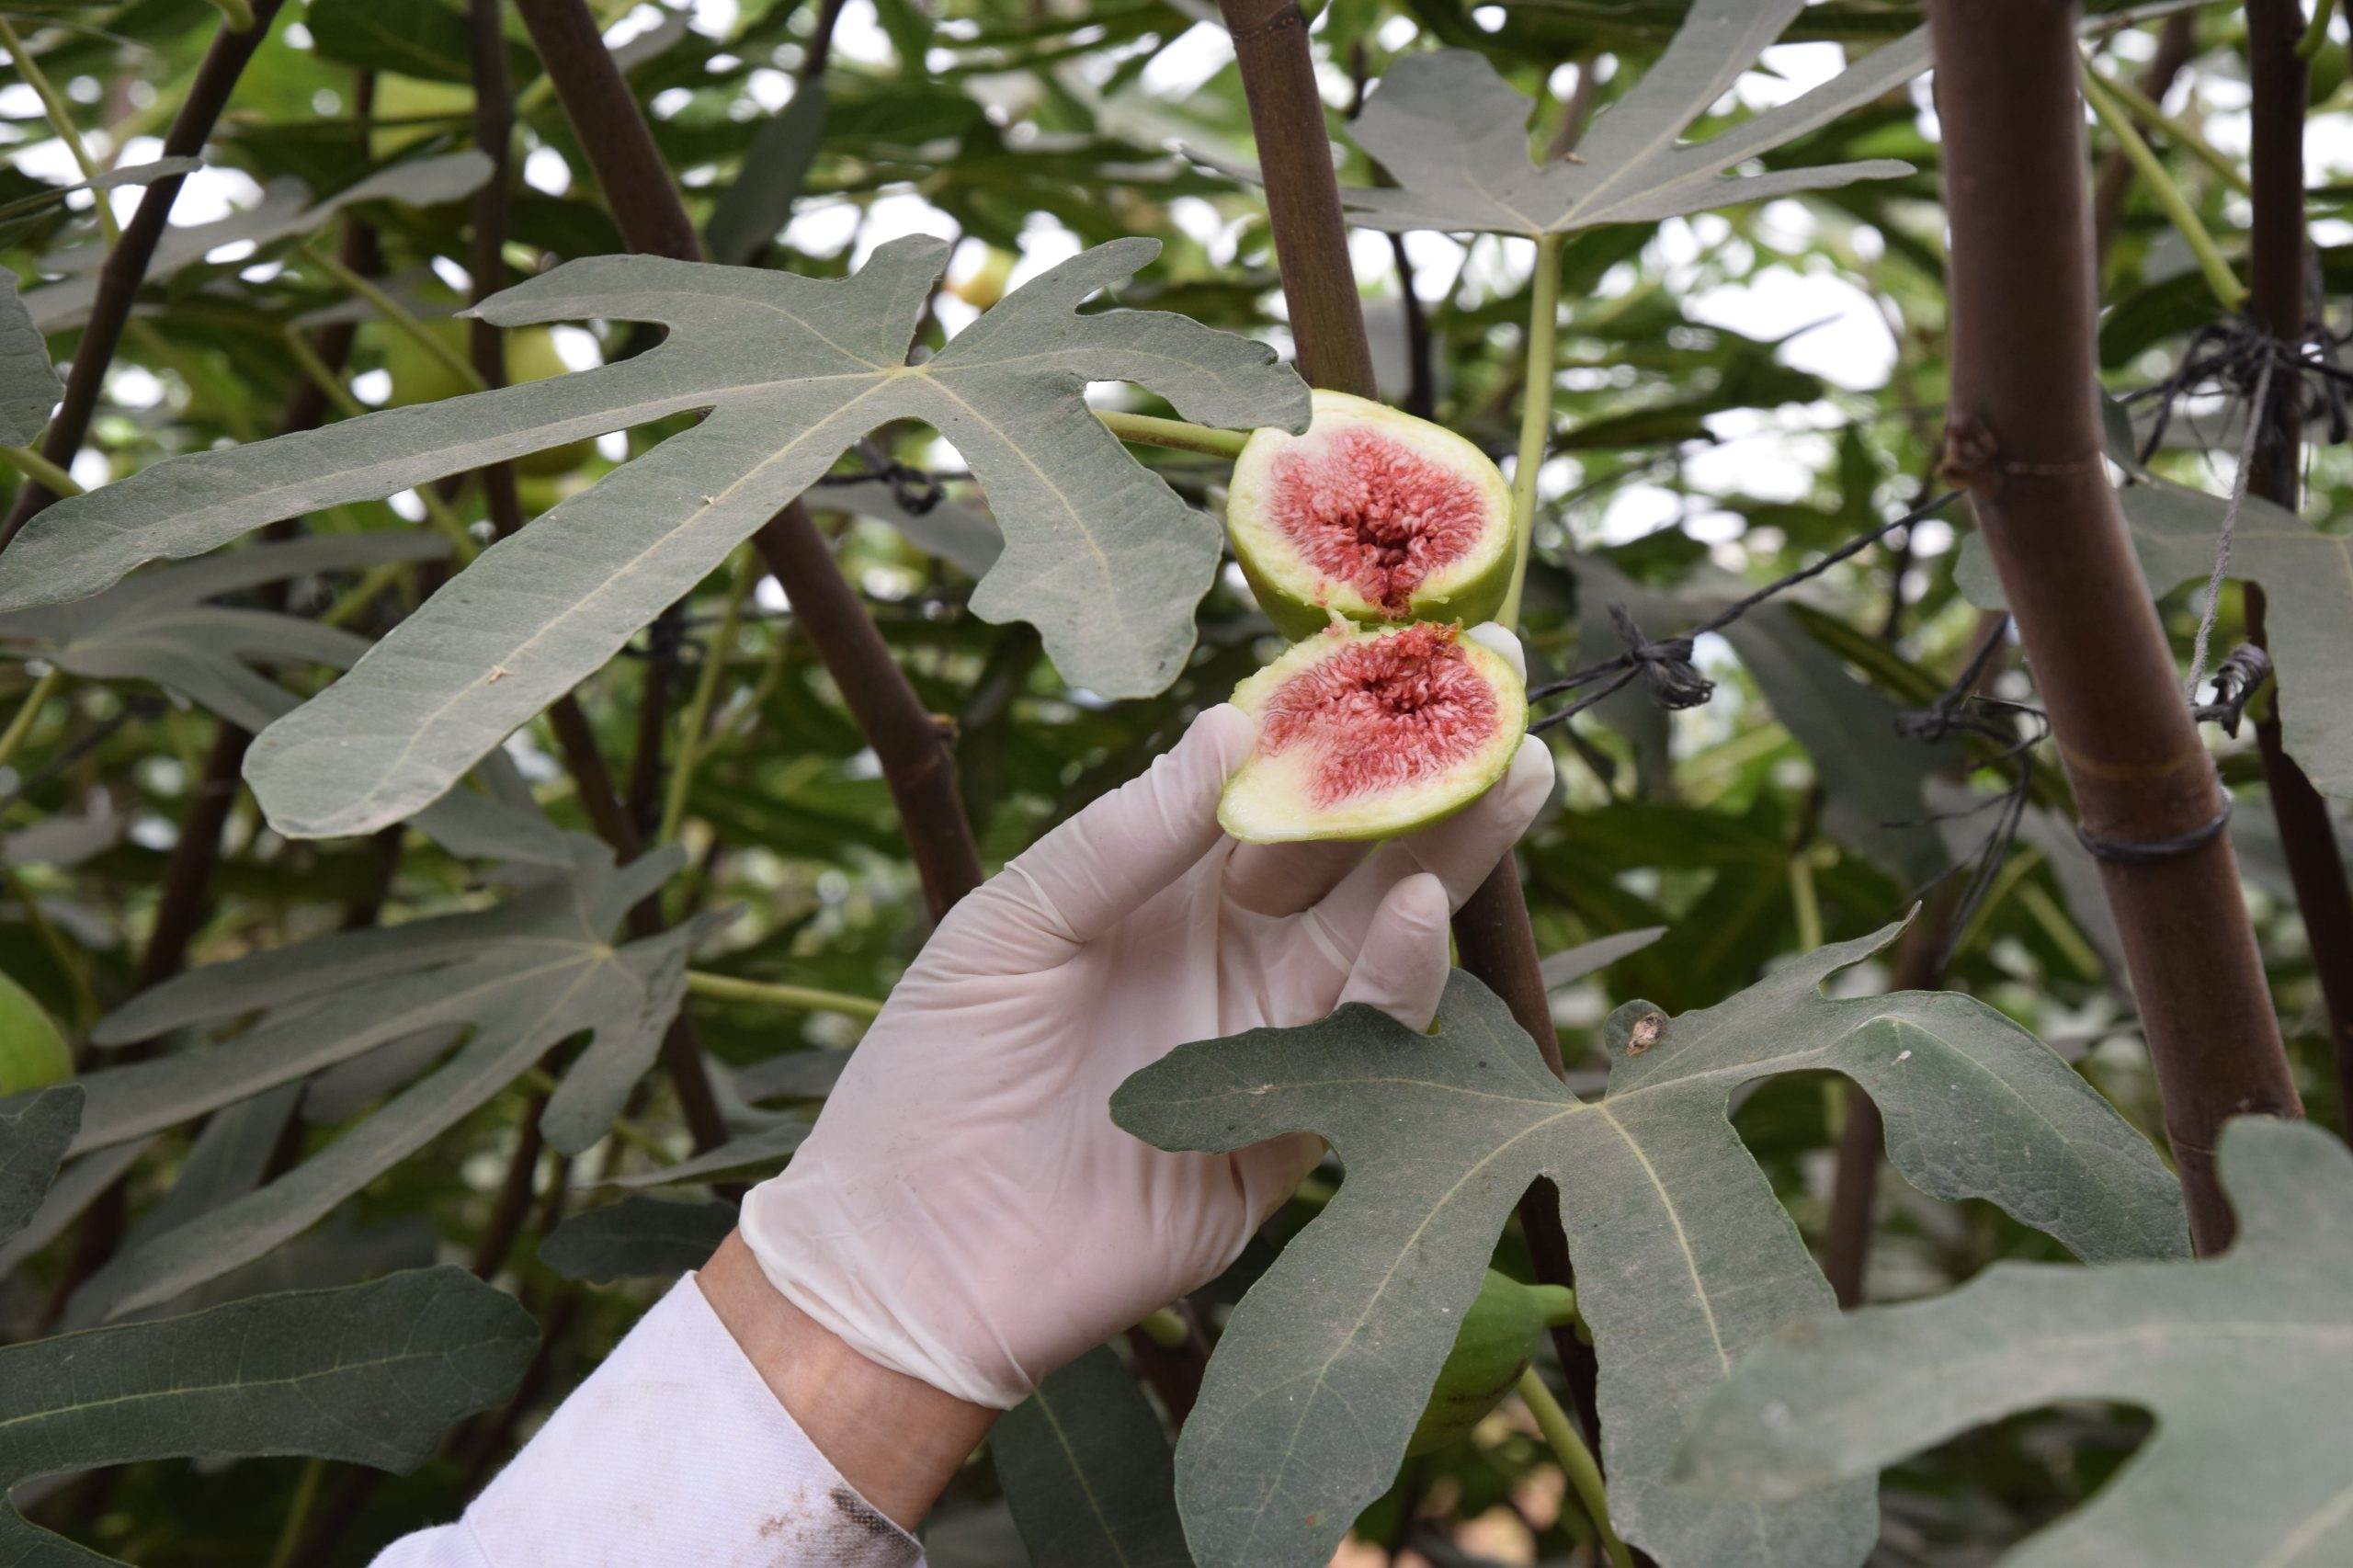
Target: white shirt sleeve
<point>673,1451</point>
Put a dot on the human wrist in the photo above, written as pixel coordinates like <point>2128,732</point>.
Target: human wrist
<point>895,1440</point>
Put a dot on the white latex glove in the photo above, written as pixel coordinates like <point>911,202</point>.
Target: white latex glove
<point>965,1210</point>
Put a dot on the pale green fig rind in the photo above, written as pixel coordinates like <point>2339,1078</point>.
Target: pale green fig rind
<point>1299,602</point>
<point>1244,813</point>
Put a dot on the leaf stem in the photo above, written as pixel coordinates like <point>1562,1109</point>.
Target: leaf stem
<point>393,311</point>
<point>28,713</point>
<point>361,594</point>
<point>1535,414</point>
<point>297,1512</point>
<point>1577,1463</point>
<point>1146,430</point>
<point>68,961</point>
<point>694,742</point>
<point>2227,288</point>
<point>40,469</point>
<point>2180,132</point>
<point>61,120</point>
<point>2317,35</point>
<point>1804,900</point>
<point>727,987</point>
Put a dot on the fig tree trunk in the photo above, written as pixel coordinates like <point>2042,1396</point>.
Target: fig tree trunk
<point>2023,436</point>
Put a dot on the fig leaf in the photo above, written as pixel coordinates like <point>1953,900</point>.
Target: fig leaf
<point>637,1237</point>
<point>524,975</point>
<point>1453,134</point>
<point>1099,553</point>
<point>1087,1471</point>
<point>28,384</point>
<point>372,1374</point>
<point>2238,1357</point>
<point>1684,1256</point>
<point>285,211</point>
<point>158,627</point>
<point>33,1139</point>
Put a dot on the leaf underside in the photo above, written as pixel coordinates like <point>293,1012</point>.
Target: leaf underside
<point>371,1374</point>
<point>1099,553</point>
<point>637,1237</point>
<point>156,628</point>
<point>28,384</point>
<point>1684,1256</point>
<point>285,211</point>
<point>33,1138</point>
<point>1087,1471</point>
<point>2241,1359</point>
<point>520,978</point>
<point>1453,134</point>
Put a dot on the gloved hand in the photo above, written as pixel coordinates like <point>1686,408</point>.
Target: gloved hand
<point>965,1211</point>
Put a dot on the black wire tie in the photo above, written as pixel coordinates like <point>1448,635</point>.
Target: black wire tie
<point>2155,851</point>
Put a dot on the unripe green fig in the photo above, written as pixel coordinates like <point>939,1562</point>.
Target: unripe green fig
<point>2326,73</point>
<point>1494,1344</point>
<point>1373,514</point>
<point>1372,734</point>
<point>33,1054</point>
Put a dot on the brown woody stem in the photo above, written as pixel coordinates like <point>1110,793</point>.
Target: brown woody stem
<point>2278,269</point>
<point>2024,438</point>
<point>1303,199</point>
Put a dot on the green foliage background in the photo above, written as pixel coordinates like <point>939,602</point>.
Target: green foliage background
<point>1695,455</point>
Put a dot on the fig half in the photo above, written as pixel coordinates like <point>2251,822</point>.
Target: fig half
<point>1372,734</point>
<point>1373,514</point>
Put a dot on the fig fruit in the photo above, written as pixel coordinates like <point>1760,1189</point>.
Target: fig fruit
<point>33,1054</point>
<point>1373,514</point>
<point>1493,1347</point>
<point>1372,734</point>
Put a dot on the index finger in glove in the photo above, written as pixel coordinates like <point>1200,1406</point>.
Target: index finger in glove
<point>1103,864</point>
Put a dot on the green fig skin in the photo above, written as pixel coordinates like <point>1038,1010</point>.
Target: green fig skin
<point>1300,611</point>
<point>33,1053</point>
<point>1497,1340</point>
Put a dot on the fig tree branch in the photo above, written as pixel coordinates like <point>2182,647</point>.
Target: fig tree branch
<point>2023,436</point>
<point>2278,272</point>
<point>1302,198</point>
<point>126,265</point>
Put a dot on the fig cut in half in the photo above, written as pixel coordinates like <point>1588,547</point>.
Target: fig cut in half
<point>1370,733</point>
<point>1372,513</point>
